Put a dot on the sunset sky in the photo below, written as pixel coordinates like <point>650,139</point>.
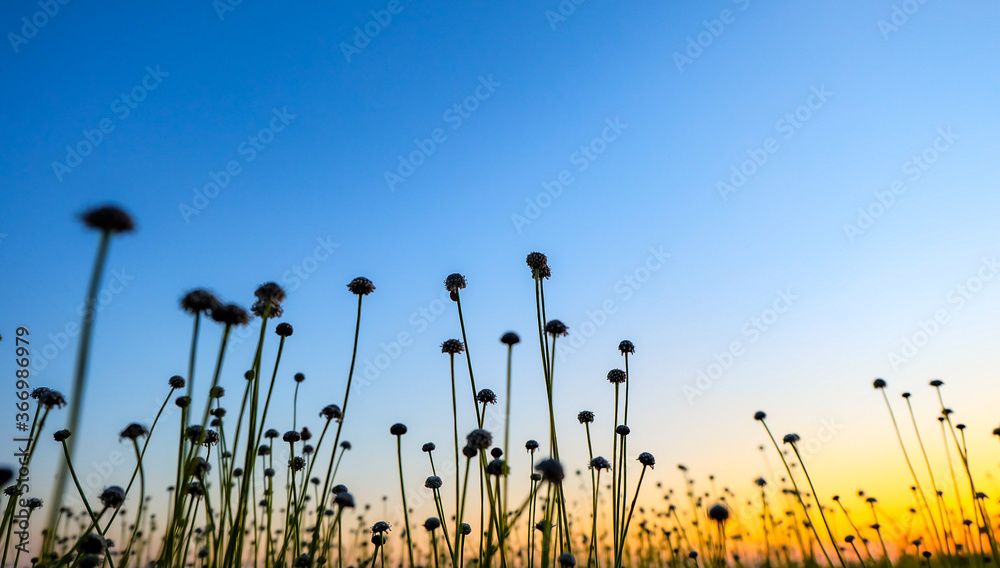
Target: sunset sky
<point>776,202</point>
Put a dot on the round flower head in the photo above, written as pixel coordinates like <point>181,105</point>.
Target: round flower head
<point>331,412</point>
<point>270,292</point>
<point>585,417</point>
<point>466,529</point>
<point>759,415</point>
<point>344,499</point>
<point>452,347</point>
<point>194,433</point>
<point>249,375</point>
<point>433,482</point>
<point>469,452</point>
<point>345,445</point>
<point>91,543</point>
<point>556,328</point>
<point>617,376</point>
<point>133,431</point>
<point>496,468</point>
<point>298,463</point>
<point>567,560</point>
<point>176,382</point>
<point>291,436</point>
<point>936,383</point>
<point>496,453</point>
<point>268,472</point>
<point>283,329</point>
<point>531,445</point>
<point>510,338</point>
<point>600,463</point>
<point>535,476</point>
<point>260,308</point>
<point>238,472</point>
<point>454,282</point>
<point>397,429</point>
<point>761,482</point>
<point>361,286</point>
<point>906,395</point>
<point>339,488</point>
<point>545,272</point>
<point>231,314</point>
<point>879,383</point>
<point>112,497</point>
<point>303,561</point>
<point>551,470</point>
<point>109,219</point>
<point>791,438</point>
<point>48,397</point>
<point>199,301</point>
<point>622,430</point>
<point>264,450</point>
<point>647,459</point>
<point>487,396</point>
<point>61,435</point>
<point>305,434</point>
<point>89,561</point>
<point>271,433</point>
<point>626,346</point>
<point>432,523</point>
<point>217,392</point>
<point>195,489</point>
<point>428,447</point>
<point>199,466</point>
<point>211,436</point>
<point>536,261</point>
<point>380,527</point>
<point>35,502</point>
<point>219,412</point>
<point>479,439</point>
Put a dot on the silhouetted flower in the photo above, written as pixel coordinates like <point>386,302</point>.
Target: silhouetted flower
<point>622,430</point>
<point>133,431</point>
<point>486,396</point>
<point>110,219</point>
<point>626,346</point>
<point>199,301</point>
<point>759,415</point>
<point>452,347</point>
<point>551,470</point>
<point>344,499</point>
<point>231,314</point>
<point>454,282</point>
<point>647,459</point>
<point>112,497</point>
<point>283,329</point>
<point>361,286</point>
<point>600,463</point>
<point>617,376</point>
<point>428,447</point>
<point>397,429</point>
<point>567,560</point>
<point>556,328</point>
<point>791,438</point>
<point>380,527</point>
<point>61,435</point>
<point>479,439</point>
<point>291,436</point>
<point>176,382</point>
<point>330,412</point>
<point>531,445</point>
<point>936,383</point>
<point>432,523</point>
<point>433,482</point>
<point>879,383</point>
<point>536,261</point>
<point>510,338</point>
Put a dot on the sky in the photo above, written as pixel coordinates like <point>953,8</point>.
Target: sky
<point>776,203</point>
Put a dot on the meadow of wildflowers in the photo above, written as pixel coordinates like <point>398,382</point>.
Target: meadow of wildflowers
<point>253,485</point>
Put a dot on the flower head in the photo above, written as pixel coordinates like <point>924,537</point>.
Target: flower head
<point>622,430</point>
<point>452,347</point>
<point>510,338</point>
<point>271,433</point>
<point>61,435</point>
<point>454,282</point>
<point>936,383</point>
<point>428,447</point>
<point>433,482</point>
<point>791,438</point>
<point>397,429</point>
<point>486,396</point>
<point>531,445</point>
<point>617,376</point>
<point>109,219</point>
<point>133,431</point>
<point>759,415</point>
<point>647,459</point>
<point>556,328</point>
<point>879,383</point>
<point>176,382</point>
<point>626,346</point>
<point>536,261</point>
<point>380,527</point>
<point>231,314</point>
<point>291,436</point>
<point>199,301</point>
<point>361,286</point>
<point>112,497</point>
<point>283,329</point>
<point>585,417</point>
<point>479,439</point>
<point>331,412</point>
<point>551,470</point>
<point>496,468</point>
<point>718,513</point>
<point>599,463</point>
<point>344,499</point>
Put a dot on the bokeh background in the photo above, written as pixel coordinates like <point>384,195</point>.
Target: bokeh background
<point>686,166</point>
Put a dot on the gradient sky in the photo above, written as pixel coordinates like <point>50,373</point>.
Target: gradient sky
<point>872,100</point>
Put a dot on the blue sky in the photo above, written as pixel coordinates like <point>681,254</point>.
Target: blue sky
<point>836,96</point>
